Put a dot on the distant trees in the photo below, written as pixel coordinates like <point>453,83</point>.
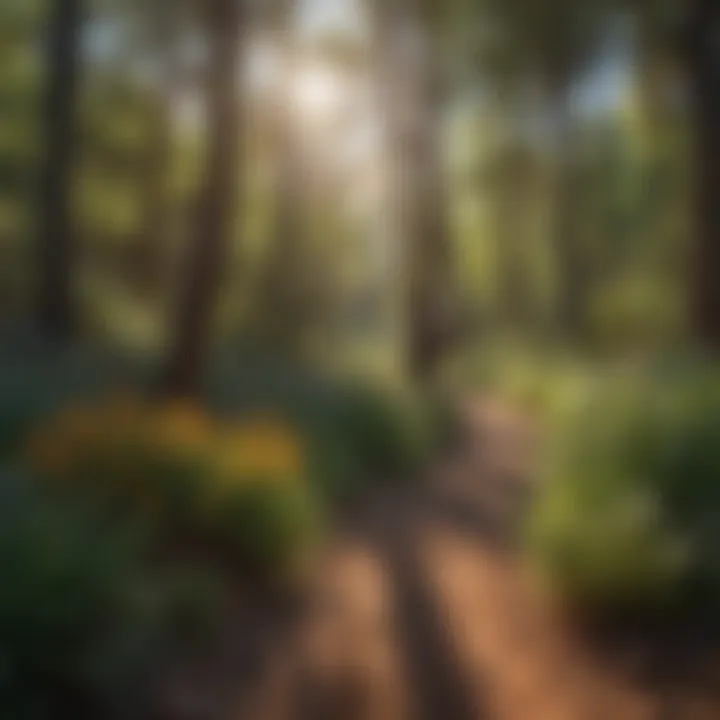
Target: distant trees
<point>533,53</point>
<point>547,47</point>
<point>217,200</point>
<point>56,246</point>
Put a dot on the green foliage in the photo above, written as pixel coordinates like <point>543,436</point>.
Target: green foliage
<point>543,384</point>
<point>82,618</point>
<point>628,508</point>
<point>239,488</point>
<point>187,473</point>
<point>388,433</point>
<point>357,432</point>
<point>270,526</point>
<point>35,383</point>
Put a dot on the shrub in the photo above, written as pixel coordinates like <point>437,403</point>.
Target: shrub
<point>373,434</point>
<point>189,476</point>
<point>269,527</point>
<point>84,616</point>
<point>385,433</point>
<point>67,600</point>
<point>35,383</point>
<point>266,509</point>
<point>542,386</point>
<point>628,513</point>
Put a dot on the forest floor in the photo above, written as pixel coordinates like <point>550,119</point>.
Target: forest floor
<point>422,608</point>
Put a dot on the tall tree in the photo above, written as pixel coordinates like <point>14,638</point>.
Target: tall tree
<point>281,292</point>
<point>703,62</point>
<point>55,312</point>
<point>410,79</point>
<point>162,20</point>
<point>218,197</point>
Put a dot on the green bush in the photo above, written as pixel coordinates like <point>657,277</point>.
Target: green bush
<point>270,527</point>
<point>71,606</point>
<point>239,488</point>
<point>35,382</point>
<point>357,431</point>
<point>376,434</point>
<point>543,387</point>
<point>628,511</point>
<point>385,430</point>
<point>84,615</point>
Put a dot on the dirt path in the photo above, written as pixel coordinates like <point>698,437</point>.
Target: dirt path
<point>422,609</point>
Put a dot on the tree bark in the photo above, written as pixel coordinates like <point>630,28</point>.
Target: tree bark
<point>703,58</point>
<point>410,92</point>
<point>55,310</point>
<point>152,252</point>
<point>152,242</point>
<point>570,270</point>
<point>281,293</point>
<point>217,200</point>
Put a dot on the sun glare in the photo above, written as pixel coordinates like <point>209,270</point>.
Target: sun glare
<point>318,91</point>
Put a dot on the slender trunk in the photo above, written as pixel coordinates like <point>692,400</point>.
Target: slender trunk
<point>55,311</point>
<point>510,230</point>
<point>571,296</point>
<point>389,85</point>
<point>152,248</point>
<point>152,253</point>
<point>704,70</point>
<point>410,91</point>
<point>431,306</point>
<point>215,212</point>
<point>281,292</point>
<point>651,74</point>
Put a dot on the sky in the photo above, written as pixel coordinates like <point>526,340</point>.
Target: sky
<point>323,15</point>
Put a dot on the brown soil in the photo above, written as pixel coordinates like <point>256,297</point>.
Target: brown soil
<point>422,609</point>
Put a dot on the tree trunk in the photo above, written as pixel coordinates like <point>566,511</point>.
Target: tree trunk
<point>704,71</point>
<point>570,271</point>
<point>510,232</point>
<point>152,243</point>
<point>152,252</point>
<point>55,311</point>
<point>217,200</point>
<point>410,94</point>
<point>430,284</point>
<point>281,292</point>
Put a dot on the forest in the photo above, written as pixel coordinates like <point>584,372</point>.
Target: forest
<point>359,359</point>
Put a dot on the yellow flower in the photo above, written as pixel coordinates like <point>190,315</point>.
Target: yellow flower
<point>121,413</point>
<point>181,424</point>
<point>263,448</point>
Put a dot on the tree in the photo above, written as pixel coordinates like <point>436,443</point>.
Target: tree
<point>703,64</point>
<point>217,198</point>
<point>411,91</point>
<point>162,20</point>
<point>19,85</point>
<point>281,291</point>
<point>55,312</point>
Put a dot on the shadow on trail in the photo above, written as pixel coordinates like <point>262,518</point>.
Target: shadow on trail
<point>437,683</point>
<point>479,497</point>
<point>431,682</point>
